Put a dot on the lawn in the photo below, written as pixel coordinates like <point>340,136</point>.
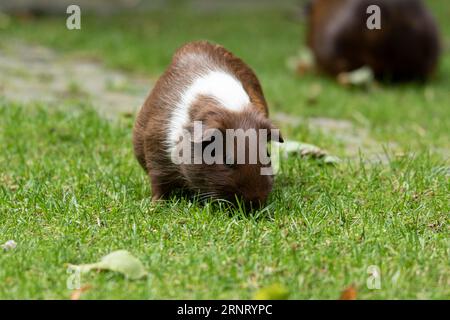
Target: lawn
<point>71,190</point>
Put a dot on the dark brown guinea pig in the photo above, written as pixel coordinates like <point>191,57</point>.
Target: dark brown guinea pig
<point>406,47</point>
<point>206,84</point>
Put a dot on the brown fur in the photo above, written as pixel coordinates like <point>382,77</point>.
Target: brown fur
<point>405,48</point>
<point>151,128</point>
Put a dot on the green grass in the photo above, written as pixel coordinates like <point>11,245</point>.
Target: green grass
<point>71,191</point>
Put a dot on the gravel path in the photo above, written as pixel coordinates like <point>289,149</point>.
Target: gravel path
<point>38,74</point>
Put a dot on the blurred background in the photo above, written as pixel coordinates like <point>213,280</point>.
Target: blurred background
<point>116,6</point>
<point>124,45</point>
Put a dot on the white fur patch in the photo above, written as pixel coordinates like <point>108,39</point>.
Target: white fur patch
<point>218,84</point>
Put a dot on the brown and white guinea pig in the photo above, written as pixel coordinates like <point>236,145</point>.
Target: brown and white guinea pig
<point>406,47</point>
<point>205,83</point>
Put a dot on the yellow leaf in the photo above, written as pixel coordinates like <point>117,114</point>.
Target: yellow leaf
<point>272,292</point>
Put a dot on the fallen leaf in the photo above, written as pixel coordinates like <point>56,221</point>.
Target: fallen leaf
<point>76,294</point>
<point>348,294</point>
<point>331,159</point>
<point>9,245</point>
<point>272,292</point>
<point>302,62</point>
<point>289,148</point>
<point>294,148</point>
<point>119,261</point>
<point>359,78</point>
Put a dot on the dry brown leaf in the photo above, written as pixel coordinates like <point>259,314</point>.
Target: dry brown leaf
<point>76,294</point>
<point>348,294</point>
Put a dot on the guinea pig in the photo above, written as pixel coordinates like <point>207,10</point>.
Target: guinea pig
<point>406,47</point>
<point>206,84</point>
